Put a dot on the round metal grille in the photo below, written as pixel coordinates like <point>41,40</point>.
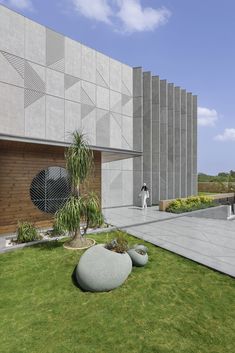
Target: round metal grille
<point>50,189</point>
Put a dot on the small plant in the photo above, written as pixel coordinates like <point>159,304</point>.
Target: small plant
<point>26,232</point>
<point>119,244</point>
<point>140,251</point>
<point>57,230</point>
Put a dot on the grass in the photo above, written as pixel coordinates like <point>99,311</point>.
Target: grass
<point>172,305</point>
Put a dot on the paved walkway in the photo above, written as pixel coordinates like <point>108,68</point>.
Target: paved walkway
<point>210,242</point>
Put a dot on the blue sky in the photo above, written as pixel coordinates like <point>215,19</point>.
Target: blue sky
<point>188,42</point>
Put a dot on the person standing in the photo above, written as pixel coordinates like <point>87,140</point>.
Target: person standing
<point>144,194</point>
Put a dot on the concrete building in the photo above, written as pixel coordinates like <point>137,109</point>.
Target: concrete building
<point>141,128</point>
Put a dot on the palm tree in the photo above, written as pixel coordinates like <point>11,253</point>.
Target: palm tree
<point>79,163</point>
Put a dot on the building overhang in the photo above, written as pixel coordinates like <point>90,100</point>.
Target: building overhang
<point>108,154</point>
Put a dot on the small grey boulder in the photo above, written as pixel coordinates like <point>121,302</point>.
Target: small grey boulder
<point>100,269</point>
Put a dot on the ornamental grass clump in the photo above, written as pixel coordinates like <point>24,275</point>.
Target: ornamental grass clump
<point>79,208</point>
<point>26,232</point>
<point>118,245</point>
<point>191,203</point>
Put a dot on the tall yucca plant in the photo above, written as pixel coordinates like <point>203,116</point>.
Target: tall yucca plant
<point>79,162</point>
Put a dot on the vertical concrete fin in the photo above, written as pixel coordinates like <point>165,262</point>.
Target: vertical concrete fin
<point>194,149</point>
<point>183,143</point>
<point>155,139</point>
<point>163,140</point>
<point>147,132</point>
<point>137,132</point>
<point>189,143</point>
<point>171,141</point>
<point>177,141</point>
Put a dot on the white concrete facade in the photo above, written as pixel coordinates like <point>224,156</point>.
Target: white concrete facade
<point>51,85</point>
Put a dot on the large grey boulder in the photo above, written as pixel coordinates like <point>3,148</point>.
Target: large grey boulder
<point>138,259</point>
<point>101,270</point>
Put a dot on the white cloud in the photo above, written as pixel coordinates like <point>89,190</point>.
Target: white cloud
<point>135,18</point>
<point>19,4</point>
<point>227,135</point>
<point>206,116</point>
<point>98,10</point>
<point>125,16</point>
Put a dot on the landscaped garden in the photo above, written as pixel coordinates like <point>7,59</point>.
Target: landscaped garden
<point>56,297</point>
<point>170,305</point>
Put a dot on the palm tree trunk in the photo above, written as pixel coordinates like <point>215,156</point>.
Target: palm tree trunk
<point>78,241</point>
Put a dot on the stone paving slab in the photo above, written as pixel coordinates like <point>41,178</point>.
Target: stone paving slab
<point>210,242</point>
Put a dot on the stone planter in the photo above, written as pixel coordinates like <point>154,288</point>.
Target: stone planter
<point>141,247</point>
<point>101,270</point>
<point>138,259</point>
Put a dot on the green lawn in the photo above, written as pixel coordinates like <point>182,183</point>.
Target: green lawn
<point>172,305</point>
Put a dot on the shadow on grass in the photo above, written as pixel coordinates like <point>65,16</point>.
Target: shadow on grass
<point>50,245</point>
<point>74,280</point>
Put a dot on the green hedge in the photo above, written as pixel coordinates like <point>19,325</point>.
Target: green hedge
<point>189,204</point>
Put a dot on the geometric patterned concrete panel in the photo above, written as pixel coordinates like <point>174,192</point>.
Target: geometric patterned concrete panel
<point>34,83</point>
<point>127,105</point>
<point>55,50</point>
<point>115,130</point>
<point>100,81</point>
<point>50,67</point>
<point>116,102</point>
<point>88,93</point>
<point>31,96</point>
<point>103,128</point>
<point>35,119</point>
<point>102,70</point>
<point>125,90</point>
<point>73,57</point>
<point>12,28</point>
<point>72,88</point>
<point>115,75</point>
<point>11,72</point>
<point>69,81</point>
<point>34,80</point>
<point>35,42</point>
<point>88,64</point>
<point>16,62</point>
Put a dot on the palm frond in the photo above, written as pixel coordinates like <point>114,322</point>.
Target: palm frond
<point>79,159</point>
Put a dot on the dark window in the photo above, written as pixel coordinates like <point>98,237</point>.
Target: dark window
<point>50,189</point>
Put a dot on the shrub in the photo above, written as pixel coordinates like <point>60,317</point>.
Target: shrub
<point>191,203</point>
<point>206,199</point>
<point>193,200</point>
<point>57,230</point>
<point>119,244</point>
<point>26,232</point>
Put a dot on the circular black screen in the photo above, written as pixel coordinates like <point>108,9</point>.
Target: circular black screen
<point>50,189</point>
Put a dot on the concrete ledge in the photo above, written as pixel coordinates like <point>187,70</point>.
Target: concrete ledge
<point>165,203</point>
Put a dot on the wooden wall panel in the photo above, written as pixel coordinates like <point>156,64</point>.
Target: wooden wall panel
<point>19,164</point>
